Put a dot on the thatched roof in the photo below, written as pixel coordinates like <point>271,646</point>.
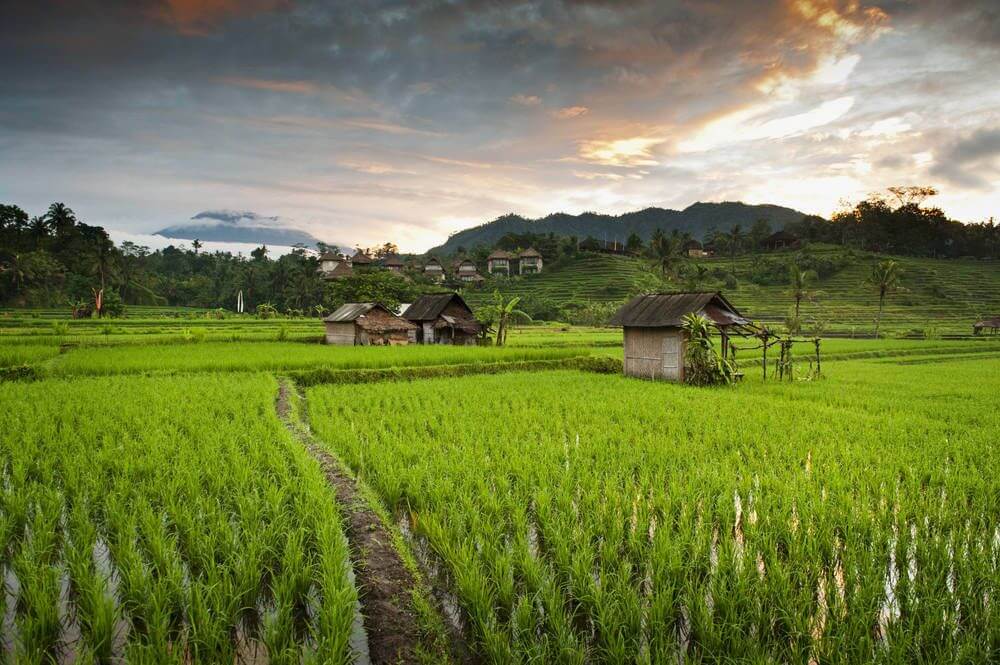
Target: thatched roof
<point>531,252</point>
<point>667,310</point>
<point>392,260</point>
<point>500,254</point>
<point>429,307</point>
<point>330,256</point>
<point>361,259</point>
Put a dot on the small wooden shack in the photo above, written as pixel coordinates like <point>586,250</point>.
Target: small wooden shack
<point>992,324</point>
<point>443,318</point>
<point>654,340</point>
<point>367,323</point>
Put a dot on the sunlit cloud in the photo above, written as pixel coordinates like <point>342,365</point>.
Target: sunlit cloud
<point>200,17</point>
<point>293,87</point>
<point>526,100</point>
<point>634,151</point>
<point>568,112</point>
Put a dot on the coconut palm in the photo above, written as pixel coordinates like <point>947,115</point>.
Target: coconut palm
<point>667,252</point>
<point>60,217</point>
<point>800,285</point>
<point>734,242</point>
<point>885,279</point>
<point>502,312</point>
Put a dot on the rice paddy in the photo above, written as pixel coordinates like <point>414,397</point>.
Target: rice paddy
<point>155,508</point>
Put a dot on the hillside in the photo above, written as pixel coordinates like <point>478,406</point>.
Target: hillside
<point>943,296</point>
<point>697,219</point>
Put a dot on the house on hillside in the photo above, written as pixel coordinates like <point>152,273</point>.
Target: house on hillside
<point>367,324</point>
<point>781,240</point>
<point>334,266</point>
<point>393,263</point>
<point>529,262</point>
<point>361,260</point>
<point>695,249</point>
<point>498,262</point>
<point>466,271</point>
<point>654,340</point>
<point>443,318</point>
<point>434,270</point>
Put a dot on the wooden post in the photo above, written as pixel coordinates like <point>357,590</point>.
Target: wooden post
<point>816,342</point>
<point>763,337</point>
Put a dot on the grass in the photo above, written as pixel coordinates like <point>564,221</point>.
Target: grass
<point>942,296</point>
<point>186,523</point>
<point>586,517</point>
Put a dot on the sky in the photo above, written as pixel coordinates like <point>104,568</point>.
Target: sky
<point>375,120</point>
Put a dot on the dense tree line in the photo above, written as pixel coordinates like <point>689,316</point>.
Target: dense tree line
<point>55,260</point>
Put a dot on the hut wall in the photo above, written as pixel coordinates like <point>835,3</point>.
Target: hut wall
<point>340,333</point>
<point>654,353</point>
<point>428,330</point>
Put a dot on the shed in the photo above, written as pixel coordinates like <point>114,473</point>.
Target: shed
<point>367,323</point>
<point>654,339</point>
<point>443,318</point>
<point>781,240</point>
<point>993,324</point>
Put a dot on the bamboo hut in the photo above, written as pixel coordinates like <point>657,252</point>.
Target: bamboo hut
<point>654,341</point>
<point>367,323</point>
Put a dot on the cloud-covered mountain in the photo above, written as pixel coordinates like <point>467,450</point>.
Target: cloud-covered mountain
<point>697,219</point>
<point>240,226</point>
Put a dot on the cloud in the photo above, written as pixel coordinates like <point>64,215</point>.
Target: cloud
<point>526,100</point>
<point>971,161</point>
<point>630,152</point>
<point>568,112</point>
<point>200,17</point>
<point>294,87</point>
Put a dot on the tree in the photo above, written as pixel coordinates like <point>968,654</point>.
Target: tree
<point>501,312</point>
<point>702,364</point>
<point>634,244</point>
<point>259,254</point>
<point>759,232</point>
<point>667,251</point>
<point>800,285</point>
<point>885,279</point>
<point>60,218</point>
<point>734,243</point>
<point>197,245</point>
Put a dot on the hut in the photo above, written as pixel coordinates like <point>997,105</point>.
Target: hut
<point>367,323</point>
<point>361,260</point>
<point>992,323</point>
<point>498,262</point>
<point>529,262</point>
<point>393,262</point>
<point>434,270</point>
<point>695,249</point>
<point>781,240</point>
<point>443,318</point>
<point>654,339</point>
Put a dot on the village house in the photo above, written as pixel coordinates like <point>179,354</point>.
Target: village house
<point>367,324</point>
<point>529,262</point>
<point>781,240</point>
<point>466,271</point>
<point>443,318</point>
<point>434,270</point>
<point>498,262</point>
<point>695,249</point>
<point>393,263</point>
<point>654,340</point>
<point>361,260</point>
<point>334,266</point>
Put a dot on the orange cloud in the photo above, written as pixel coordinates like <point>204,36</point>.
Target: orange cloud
<point>199,17</point>
<point>569,112</point>
<point>294,87</point>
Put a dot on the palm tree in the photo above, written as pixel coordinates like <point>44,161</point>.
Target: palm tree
<point>666,251</point>
<point>885,279</point>
<point>800,284</point>
<point>197,245</point>
<point>734,241</point>
<point>502,312</point>
<point>60,217</point>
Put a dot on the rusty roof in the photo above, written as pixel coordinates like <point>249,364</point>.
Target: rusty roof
<point>429,307</point>
<point>660,310</point>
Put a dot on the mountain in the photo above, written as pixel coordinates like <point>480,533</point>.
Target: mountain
<point>697,219</point>
<point>239,226</point>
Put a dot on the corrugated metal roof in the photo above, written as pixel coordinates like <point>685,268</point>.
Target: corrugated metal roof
<point>668,310</point>
<point>351,311</point>
<point>429,307</point>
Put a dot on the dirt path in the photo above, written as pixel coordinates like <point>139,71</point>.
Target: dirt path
<point>385,584</point>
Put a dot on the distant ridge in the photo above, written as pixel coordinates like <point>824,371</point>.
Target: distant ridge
<point>697,219</point>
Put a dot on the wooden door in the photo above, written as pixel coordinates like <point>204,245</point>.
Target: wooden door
<point>672,357</point>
